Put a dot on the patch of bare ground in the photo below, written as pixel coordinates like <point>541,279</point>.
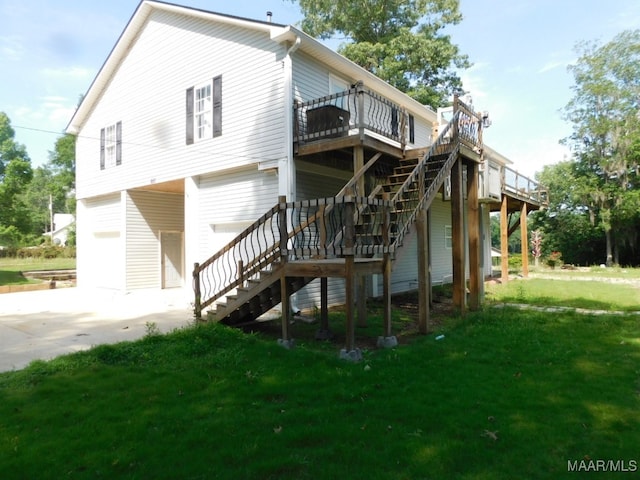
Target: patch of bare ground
<point>404,325</point>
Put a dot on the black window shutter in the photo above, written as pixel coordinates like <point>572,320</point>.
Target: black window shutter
<point>189,116</point>
<point>412,129</point>
<point>217,106</point>
<point>119,143</point>
<point>102,149</point>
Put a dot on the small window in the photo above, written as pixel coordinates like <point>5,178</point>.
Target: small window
<point>111,146</point>
<point>204,111</point>
<point>448,237</point>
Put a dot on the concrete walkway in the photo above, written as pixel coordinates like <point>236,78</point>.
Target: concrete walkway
<point>47,323</point>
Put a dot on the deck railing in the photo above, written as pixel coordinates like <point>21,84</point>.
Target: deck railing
<point>351,112</point>
<point>310,229</point>
<point>524,188</point>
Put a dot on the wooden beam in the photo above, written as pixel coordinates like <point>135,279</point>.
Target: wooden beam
<point>473,213</point>
<point>424,287</point>
<point>386,269</point>
<point>524,240</point>
<point>284,257</point>
<point>504,240</point>
<point>350,276</point>
<point>358,165</point>
<point>457,234</point>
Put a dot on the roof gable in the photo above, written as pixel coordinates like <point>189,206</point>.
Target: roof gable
<point>279,33</point>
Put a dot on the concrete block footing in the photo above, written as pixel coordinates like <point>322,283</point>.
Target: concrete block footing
<point>288,344</point>
<point>387,342</point>
<point>351,356</point>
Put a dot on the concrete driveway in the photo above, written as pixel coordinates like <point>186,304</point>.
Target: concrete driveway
<point>47,323</point>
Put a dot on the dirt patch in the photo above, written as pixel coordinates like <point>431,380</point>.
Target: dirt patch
<point>405,307</point>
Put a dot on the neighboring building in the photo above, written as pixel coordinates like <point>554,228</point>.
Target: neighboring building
<point>62,225</point>
<point>198,122</point>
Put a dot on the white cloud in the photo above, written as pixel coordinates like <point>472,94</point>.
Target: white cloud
<point>72,72</point>
<point>552,66</point>
<point>473,80</point>
<point>11,48</point>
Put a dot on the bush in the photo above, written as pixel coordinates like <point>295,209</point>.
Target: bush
<point>46,251</point>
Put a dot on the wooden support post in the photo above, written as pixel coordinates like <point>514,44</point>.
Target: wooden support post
<point>284,290</point>
<point>386,268</point>
<point>424,283</point>
<point>457,234</point>
<point>504,240</point>
<point>349,280</point>
<point>324,304</point>
<point>524,239</point>
<point>358,164</point>
<point>197,309</point>
<point>473,213</point>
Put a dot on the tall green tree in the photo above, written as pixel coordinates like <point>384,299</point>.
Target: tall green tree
<point>604,113</point>
<point>52,188</point>
<point>62,161</point>
<point>400,41</point>
<point>15,174</point>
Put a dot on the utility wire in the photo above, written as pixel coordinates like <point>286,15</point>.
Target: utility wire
<point>219,154</point>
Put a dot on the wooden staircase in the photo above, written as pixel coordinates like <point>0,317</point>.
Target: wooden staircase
<point>239,285</point>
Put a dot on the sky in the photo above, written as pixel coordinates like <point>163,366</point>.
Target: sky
<point>51,50</point>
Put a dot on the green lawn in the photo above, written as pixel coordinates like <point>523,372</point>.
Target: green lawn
<point>10,268</point>
<point>505,394</point>
<point>600,295</point>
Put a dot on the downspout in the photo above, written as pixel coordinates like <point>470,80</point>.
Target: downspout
<point>287,172</point>
<point>287,175</point>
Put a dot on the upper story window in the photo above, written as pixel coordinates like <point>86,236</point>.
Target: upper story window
<point>204,111</point>
<point>111,146</point>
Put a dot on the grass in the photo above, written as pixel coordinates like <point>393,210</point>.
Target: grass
<point>576,294</point>
<point>505,394</point>
<point>10,268</point>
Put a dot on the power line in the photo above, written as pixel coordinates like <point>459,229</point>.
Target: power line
<point>157,147</point>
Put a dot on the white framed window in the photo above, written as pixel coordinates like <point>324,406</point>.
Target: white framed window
<point>448,237</point>
<point>111,146</point>
<point>204,111</point>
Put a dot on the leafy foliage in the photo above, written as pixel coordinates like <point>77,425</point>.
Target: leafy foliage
<point>15,174</point>
<point>400,41</point>
<point>606,138</point>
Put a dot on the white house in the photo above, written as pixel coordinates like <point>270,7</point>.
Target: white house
<point>197,124</point>
<point>62,224</point>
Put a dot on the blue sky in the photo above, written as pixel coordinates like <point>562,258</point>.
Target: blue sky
<point>50,51</point>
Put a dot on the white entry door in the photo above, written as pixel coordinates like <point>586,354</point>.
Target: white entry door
<point>172,259</point>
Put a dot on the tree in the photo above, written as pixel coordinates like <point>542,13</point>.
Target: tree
<point>400,41</point>
<point>62,162</point>
<point>604,112</point>
<point>52,187</point>
<point>15,174</point>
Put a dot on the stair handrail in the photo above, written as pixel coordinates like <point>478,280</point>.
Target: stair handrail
<point>446,138</point>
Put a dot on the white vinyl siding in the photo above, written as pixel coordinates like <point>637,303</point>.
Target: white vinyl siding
<point>147,92</point>
<point>149,213</point>
<point>230,202</point>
